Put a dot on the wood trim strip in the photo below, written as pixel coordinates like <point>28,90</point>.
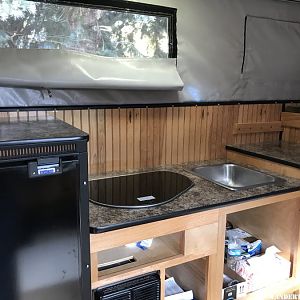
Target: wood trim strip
<point>291,124</point>
<point>162,273</point>
<point>147,268</point>
<point>116,238</point>
<point>288,116</point>
<point>259,127</point>
<point>216,264</point>
<point>261,202</point>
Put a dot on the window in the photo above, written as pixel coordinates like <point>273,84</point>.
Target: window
<point>95,44</point>
<point>114,28</point>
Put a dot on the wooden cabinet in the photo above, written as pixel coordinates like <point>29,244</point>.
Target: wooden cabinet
<point>275,224</point>
<point>191,247</point>
<point>177,241</point>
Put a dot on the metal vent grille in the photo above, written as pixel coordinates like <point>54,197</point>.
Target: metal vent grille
<point>147,292</point>
<point>145,287</point>
<point>125,296</point>
<point>30,151</point>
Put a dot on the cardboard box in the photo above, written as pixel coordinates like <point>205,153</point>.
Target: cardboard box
<point>235,291</point>
<point>261,271</point>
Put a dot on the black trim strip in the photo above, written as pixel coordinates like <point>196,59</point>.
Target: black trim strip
<point>140,105</point>
<point>284,107</point>
<point>264,156</point>
<point>281,132</point>
<point>172,32</point>
<point>245,44</point>
<point>137,7</point>
<point>111,227</point>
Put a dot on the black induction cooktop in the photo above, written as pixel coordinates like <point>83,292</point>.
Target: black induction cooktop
<point>139,190</point>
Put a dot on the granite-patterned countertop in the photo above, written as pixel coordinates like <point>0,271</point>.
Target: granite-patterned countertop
<point>16,131</point>
<point>202,196</point>
<point>280,152</point>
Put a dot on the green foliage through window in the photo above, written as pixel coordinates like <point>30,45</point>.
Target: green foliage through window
<point>27,24</point>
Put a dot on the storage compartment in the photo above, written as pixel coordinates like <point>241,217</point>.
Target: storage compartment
<point>111,265</point>
<point>173,291</point>
<point>191,276</point>
<point>136,256</point>
<point>275,224</point>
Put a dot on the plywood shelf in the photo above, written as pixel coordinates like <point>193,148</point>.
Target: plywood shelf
<point>162,248</point>
<point>191,275</point>
<point>166,252</point>
<point>277,289</point>
<point>142,269</point>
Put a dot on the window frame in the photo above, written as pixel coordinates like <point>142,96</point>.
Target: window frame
<point>133,7</point>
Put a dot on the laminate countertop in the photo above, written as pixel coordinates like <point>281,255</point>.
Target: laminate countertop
<point>15,131</point>
<point>280,152</point>
<point>203,195</point>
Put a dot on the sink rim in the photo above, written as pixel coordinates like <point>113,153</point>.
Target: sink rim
<point>228,187</point>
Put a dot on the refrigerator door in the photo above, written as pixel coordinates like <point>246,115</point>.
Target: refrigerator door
<point>40,234</point>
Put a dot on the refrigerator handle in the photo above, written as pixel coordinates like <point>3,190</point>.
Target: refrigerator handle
<point>45,167</point>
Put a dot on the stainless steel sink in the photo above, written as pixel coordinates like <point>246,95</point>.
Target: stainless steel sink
<point>234,177</point>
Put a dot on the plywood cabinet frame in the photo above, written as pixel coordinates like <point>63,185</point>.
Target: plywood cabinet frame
<point>203,226</point>
<point>208,227</point>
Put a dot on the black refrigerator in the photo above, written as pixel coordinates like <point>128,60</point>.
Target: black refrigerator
<point>43,211</point>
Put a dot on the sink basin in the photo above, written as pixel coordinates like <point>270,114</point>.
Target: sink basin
<point>234,177</point>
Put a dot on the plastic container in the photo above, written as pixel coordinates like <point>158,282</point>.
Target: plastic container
<point>234,253</point>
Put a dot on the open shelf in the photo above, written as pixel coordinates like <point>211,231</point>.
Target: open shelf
<point>275,224</point>
<point>162,247</point>
<point>284,287</point>
<point>165,251</point>
<point>191,275</point>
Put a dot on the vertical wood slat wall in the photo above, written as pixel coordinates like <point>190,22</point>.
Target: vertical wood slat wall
<point>138,138</point>
<point>291,134</point>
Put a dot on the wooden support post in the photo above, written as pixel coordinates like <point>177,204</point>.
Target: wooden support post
<point>162,283</point>
<point>216,264</point>
<point>94,267</point>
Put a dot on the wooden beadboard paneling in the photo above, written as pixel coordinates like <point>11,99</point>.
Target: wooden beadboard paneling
<point>291,124</point>
<point>137,138</point>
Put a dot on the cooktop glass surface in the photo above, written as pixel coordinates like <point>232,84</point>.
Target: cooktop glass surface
<point>138,190</point>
